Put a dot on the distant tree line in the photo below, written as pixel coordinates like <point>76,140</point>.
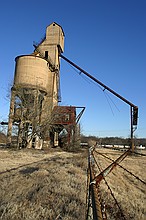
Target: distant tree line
<point>113,140</point>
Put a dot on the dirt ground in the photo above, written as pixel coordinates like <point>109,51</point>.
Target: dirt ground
<point>52,185</point>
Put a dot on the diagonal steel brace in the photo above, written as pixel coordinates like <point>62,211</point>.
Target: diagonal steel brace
<point>107,170</point>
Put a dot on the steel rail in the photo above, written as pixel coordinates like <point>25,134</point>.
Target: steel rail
<point>112,194</point>
<point>93,191</point>
<point>88,203</point>
<point>97,213</point>
<point>121,167</point>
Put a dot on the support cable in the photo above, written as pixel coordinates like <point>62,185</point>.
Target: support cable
<point>108,103</point>
<point>88,80</point>
<point>112,101</point>
<point>103,90</point>
<point>140,154</point>
<point>122,167</point>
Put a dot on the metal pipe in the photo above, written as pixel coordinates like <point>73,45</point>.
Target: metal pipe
<point>107,170</point>
<point>132,140</point>
<point>96,206</point>
<point>97,81</point>
<point>132,106</point>
<point>97,213</point>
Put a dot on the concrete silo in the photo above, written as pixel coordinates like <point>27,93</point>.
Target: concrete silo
<point>35,90</point>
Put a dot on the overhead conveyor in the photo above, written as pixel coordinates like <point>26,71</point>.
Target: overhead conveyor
<point>133,108</point>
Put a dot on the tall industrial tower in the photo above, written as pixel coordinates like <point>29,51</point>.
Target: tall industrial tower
<point>35,91</point>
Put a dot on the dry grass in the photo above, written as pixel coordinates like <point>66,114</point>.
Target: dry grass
<point>129,192</point>
<point>52,187</point>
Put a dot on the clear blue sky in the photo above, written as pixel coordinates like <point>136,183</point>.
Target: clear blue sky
<point>107,38</point>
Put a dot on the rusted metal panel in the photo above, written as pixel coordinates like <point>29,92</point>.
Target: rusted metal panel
<point>65,115</point>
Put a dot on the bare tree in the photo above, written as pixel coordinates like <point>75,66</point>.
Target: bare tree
<point>38,124</point>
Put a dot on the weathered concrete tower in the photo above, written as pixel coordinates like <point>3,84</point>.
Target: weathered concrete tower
<point>35,91</point>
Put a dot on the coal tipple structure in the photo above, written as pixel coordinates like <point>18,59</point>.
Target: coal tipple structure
<point>34,106</point>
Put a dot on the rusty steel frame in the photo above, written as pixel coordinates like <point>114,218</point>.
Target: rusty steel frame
<point>93,182</point>
<point>93,191</point>
<point>109,188</point>
<point>80,114</point>
<point>93,185</point>
<point>107,170</point>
